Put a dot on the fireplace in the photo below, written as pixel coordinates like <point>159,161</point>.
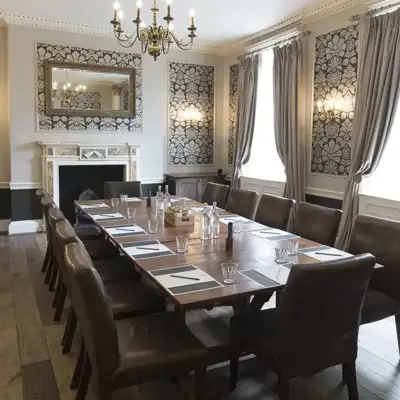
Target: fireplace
<point>74,179</point>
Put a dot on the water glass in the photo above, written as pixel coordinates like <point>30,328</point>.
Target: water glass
<point>182,244</point>
<point>131,214</point>
<point>229,271</point>
<point>293,246</point>
<point>238,226</point>
<point>114,202</point>
<point>153,225</point>
<point>123,197</point>
<point>281,253</point>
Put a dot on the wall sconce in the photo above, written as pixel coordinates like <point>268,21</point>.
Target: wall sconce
<point>332,107</point>
<point>192,116</point>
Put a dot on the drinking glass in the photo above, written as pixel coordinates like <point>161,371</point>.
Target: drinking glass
<point>238,226</point>
<point>131,214</point>
<point>153,225</point>
<point>281,253</point>
<point>229,271</point>
<point>293,246</point>
<point>114,202</point>
<point>182,244</point>
<point>123,197</point>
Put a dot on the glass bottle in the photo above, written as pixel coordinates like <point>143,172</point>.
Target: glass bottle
<point>214,222</point>
<point>167,198</point>
<point>159,200</point>
<point>205,230</point>
<point>149,198</point>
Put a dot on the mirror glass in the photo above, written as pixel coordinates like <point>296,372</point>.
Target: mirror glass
<point>90,91</point>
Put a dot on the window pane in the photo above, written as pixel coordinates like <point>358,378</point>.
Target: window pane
<point>264,161</point>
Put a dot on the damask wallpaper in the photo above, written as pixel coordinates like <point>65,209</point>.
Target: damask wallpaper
<point>78,100</point>
<point>191,87</point>
<point>233,88</point>
<point>60,53</point>
<point>335,79</point>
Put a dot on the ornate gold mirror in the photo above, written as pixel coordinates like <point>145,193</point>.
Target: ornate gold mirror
<point>84,90</point>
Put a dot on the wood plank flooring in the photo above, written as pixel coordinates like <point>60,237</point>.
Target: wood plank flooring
<point>33,368</point>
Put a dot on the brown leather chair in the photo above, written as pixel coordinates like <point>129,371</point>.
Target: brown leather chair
<point>274,211</point>
<point>129,352</point>
<point>315,327</point>
<point>215,192</point>
<point>381,237</point>
<point>242,202</point>
<point>317,223</point>
<point>115,189</point>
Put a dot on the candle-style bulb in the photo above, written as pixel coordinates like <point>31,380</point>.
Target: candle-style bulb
<point>192,13</point>
<point>120,14</point>
<point>117,5</point>
<point>171,27</point>
<point>139,4</point>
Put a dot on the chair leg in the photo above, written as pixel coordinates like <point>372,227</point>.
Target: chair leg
<point>283,384</point>
<point>200,378</point>
<point>53,279</point>
<point>46,259</point>
<point>350,377</point>
<point>66,327</point>
<point>70,333</point>
<point>397,318</point>
<point>78,367</point>
<point>61,302</point>
<point>85,379</point>
<point>234,372</point>
<point>57,294</point>
<point>49,270</point>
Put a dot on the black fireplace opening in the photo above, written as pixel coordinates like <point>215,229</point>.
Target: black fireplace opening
<point>75,179</point>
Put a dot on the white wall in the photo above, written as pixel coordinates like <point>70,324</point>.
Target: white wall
<point>4,135</point>
<point>25,153</point>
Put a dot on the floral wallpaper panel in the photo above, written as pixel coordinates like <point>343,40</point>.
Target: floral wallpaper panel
<point>82,55</point>
<point>191,87</point>
<point>233,93</point>
<point>335,78</point>
<point>78,100</point>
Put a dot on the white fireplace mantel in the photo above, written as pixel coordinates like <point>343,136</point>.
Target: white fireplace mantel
<point>55,154</point>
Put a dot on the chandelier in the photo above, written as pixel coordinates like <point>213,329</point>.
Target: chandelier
<point>154,38</point>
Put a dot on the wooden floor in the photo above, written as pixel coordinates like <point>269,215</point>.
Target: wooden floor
<point>33,368</point>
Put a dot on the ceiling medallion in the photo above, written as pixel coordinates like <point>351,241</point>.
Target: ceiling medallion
<point>154,38</point>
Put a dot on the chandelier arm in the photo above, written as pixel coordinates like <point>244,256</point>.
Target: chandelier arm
<point>180,44</point>
<point>125,39</point>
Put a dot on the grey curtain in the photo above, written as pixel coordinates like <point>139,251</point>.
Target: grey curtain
<point>292,110</point>
<point>246,113</point>
<point>376,101</point>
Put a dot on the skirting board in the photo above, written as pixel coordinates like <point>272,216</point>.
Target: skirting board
<point>4,225</point>
<point>29,226</point>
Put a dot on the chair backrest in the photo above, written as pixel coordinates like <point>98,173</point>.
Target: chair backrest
<point>242,202</point>
<point>317,223</point>
<point>274,211</point>
<point>380,237</point>
<point>215,192</point>
<point>41,193</point>
<point>95,316</point>
<point>115,189</point>
<point>47,203</point>
<point>55,216</point>
<point>319,315</point>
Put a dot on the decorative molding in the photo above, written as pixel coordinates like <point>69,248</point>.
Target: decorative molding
<point>48,52</point>
<point>233,97</point>
<point>4,185</point>
<point>25,185</point>
<point>4,225</point>
<point>191,86</point>
<point>331,194</point>
<point>379,207</point>
<point>335,79</point>
<point>28,226</point>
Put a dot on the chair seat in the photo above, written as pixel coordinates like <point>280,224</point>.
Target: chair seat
<point>377,306</point>
<point>154,347</point>
<point>133,298</point>
<point>100,249</point>
<point>115,269</point>
<point>87,231</point>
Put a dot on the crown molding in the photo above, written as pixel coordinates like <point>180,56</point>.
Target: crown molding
<point>294,21</point>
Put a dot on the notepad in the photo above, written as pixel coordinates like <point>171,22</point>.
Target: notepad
<point>130,199</point>
<point>146,249</point>
<point>125,230</point>
<point>233,218</point>
<point>325,253</point>
<point>107,216</point>
<point>92,206</point>
<point>184,279</point>
<point>274,234</point>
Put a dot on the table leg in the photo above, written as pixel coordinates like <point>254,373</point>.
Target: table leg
<point>241,306</point>
<point>259,300</point>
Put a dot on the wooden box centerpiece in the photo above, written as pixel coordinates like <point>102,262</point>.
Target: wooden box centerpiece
<point>178,215</point>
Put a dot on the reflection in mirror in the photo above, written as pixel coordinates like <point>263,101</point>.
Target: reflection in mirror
<point>74,89</point>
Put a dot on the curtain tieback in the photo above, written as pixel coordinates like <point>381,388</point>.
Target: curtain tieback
<point>357,178</point>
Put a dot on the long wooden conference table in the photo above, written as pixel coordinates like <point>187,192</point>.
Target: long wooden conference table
<point>156,256</point>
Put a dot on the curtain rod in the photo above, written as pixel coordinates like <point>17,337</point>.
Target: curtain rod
<point>276,44</point>
<point>376,11</point>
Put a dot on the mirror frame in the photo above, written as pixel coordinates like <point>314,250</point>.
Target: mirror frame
<point>48,79</point>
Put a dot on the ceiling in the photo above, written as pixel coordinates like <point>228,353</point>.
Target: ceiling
<point>218,21</point>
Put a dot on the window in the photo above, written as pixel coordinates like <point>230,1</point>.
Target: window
<point>264,160</point>
<point>383,182</point>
